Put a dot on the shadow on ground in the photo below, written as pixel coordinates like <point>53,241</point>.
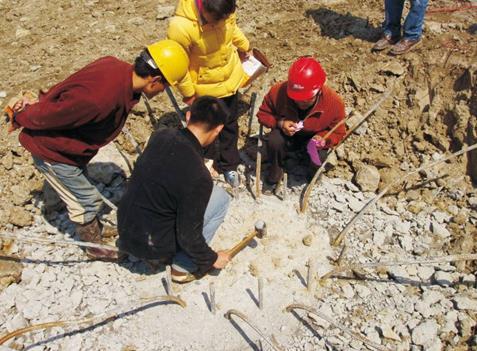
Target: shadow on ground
<point>338,26</point>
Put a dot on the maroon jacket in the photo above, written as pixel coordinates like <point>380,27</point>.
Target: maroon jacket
<point>327,112</point>
<point>79,115</point>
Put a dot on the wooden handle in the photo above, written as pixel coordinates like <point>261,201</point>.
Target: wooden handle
<point>243,243</point>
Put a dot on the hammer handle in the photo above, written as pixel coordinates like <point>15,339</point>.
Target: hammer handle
<point>243,243</point>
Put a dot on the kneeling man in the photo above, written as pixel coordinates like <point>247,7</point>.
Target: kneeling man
<point>171,209</point>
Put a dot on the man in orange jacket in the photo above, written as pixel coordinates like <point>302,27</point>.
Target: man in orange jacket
<point>301,110</point>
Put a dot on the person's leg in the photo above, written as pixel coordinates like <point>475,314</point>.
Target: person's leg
<point>229,157</point>
<point>214,216</point>
<point>276,151</point>
<point>82,200</point>
<point>392,18</point>
<point>415,20</point>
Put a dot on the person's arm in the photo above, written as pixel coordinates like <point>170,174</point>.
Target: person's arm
<point>178,31</point>
<point>70,110</point>
<point>239,40</point>
<point>336,108</point>
<point>266,113</point>
<point>192,203</point>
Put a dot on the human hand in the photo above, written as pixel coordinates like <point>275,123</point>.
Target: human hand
<point>223,258</point>
<point>320,142</point>
<point>244,55</point>
<point>189,100</point>
<point>23,102</point>
<point>288,127</point>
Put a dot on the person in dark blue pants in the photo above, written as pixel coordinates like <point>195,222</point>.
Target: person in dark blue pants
<point>412,28</point>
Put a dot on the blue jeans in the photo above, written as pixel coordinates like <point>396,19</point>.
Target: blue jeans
<point>414,20</point>
<point>83,201</point>
<point>214,216</point>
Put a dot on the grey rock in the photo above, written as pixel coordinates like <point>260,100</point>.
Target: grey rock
<point>439,230</point>
<point>354,204</point>
<point>362,291</point>
<point>398,273</point>
<point>424,332</point>
<point>137,21</point>
<point>373,335</point>
<point>453,210</point>
<point>22,33</point>
<point>20,217</point>
<point>3,94</point>
<point>443,278</point>
<point>367,178</point>
<point>394,68</point>
<point>433,345</point>
<point>473,202</point>
<point>379,238</point>
<point>465,303</point>
<point>450,325</point>
<point>387,332</point>
<point>406,242</point>
<point>434,27</point>
<point>441,217</point>
<point>164,12</point>
<point>17,322</point>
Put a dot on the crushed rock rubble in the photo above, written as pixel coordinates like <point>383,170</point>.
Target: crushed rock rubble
<point>403,307</point>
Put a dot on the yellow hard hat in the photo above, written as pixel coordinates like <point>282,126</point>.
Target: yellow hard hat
<point>171,58</point>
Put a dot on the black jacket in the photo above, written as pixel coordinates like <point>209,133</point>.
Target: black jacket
<point>163,208</point>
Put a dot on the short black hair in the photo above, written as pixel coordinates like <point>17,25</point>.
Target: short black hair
<point>220,8</point>
<point>210,111</point>
<point>143,69</point>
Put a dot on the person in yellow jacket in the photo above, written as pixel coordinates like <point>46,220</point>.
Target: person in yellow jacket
<point>208,31</point>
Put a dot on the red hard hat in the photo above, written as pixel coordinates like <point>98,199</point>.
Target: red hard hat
<point>305,78</point>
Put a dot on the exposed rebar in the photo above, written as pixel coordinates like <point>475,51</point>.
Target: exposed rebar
<point>103,317</point>
<point>30,240</point>
<point>319,171</point>
<point>213,306</point>
<point>274,345</point>
<point>347,228</point>
<point>310,277</point>
<point>260,293</point>
<point>336,325</point>
<point>424,261</point>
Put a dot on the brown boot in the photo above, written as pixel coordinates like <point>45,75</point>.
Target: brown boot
<point>91,232</point>
<point>385,42</point>
<point>403,46</point>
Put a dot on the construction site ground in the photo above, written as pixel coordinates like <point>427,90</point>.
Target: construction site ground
<point>430,114</point>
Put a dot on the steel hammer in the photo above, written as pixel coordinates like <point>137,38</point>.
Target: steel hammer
<point>260,231</point>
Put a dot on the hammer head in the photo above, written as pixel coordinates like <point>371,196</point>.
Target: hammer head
<point>261,228</point>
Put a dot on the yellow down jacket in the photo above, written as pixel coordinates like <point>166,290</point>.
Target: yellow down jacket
<point>215,68</point>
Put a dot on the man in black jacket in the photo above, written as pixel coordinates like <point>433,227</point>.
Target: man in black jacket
<point>171,208</point>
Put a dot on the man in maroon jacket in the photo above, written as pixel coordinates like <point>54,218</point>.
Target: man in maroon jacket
<point>301,111</point>
<point>66,127</point>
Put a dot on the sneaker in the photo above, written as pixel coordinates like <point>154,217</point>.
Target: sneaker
<point>182,277</point>
<point>232,177</point>
<point>403,46</point>
<point>385,42</point>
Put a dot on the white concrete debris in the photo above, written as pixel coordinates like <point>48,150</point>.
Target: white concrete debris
<point>385,308</point>
<point>425,332</point>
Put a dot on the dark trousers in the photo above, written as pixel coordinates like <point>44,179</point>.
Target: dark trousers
<point>224,151</point>
<point>277,147</point>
